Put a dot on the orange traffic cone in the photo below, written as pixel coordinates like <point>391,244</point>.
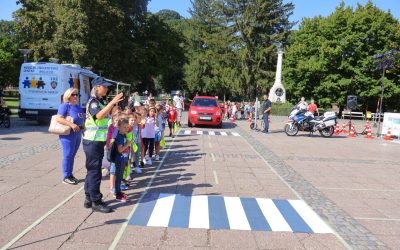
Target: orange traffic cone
<point>369,132</point>
<point>232,118</point>
<point>388,136</point>
<point>352,132</point>
<point>344,131</point>
<point>337,130</point>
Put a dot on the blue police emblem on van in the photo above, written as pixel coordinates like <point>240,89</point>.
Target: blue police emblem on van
<point>53,84</point>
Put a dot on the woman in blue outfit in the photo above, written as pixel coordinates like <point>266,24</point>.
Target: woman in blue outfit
<point>70,143</point>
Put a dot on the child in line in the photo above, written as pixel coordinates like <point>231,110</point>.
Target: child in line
<point>143,114</point>
<point>171,118</point>
<point>132,155</point>
<point>136,130</point>
<point>121,158</point>
<point>148,134</point>
<point>158,130</point>
<point>111,134</point>
<point>116,110</point>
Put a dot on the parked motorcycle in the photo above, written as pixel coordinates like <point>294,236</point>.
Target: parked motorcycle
<point>299,119</point>
<point>5,114</point>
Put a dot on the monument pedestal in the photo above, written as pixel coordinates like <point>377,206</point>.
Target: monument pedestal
<point>278,93</point>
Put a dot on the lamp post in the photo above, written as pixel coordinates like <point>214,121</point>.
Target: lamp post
<point>384,61</point>
<point>25,52</point>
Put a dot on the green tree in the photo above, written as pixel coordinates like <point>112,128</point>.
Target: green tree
<point>232,45</point>
<point>162,57</point>
<point>96,33</point>
<point>257,26</point>
<point>9,55</point>
<point>209,50</point>
<point>330,58</point>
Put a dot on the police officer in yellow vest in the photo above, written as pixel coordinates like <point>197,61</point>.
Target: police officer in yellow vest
<point>94,140</point>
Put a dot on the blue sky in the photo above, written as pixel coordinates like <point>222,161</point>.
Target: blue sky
<point>303,8</point>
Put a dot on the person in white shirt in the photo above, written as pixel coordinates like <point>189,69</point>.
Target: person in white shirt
<point>302,105</point>
<point>179,105</point>
<point>234,110</point>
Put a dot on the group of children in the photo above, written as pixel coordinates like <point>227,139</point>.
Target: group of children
<point>136,132</point>
<point>242,110</point>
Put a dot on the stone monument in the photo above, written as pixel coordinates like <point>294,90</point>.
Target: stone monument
<point>278,92</point>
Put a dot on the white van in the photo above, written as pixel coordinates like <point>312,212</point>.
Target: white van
<point>42,86</point>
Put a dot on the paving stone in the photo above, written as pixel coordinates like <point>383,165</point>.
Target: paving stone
<point>277,240</point>
<point>223,239</point>
<point>180,237</point>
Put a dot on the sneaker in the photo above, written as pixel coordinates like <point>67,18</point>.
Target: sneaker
<point>74,179</point>
<point>122,197</point>
<point>100,206</point>
<point>124,187</point>
<point>157,158</point>
<point>142,164</point>
<point>149,162</point>
<point>138,170</point>
<point>69,180</point>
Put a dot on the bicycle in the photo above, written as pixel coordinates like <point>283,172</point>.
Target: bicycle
<point>5,114</point>
<point>254,124</point>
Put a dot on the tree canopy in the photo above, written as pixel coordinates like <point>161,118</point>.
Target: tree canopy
<point>331,57</point>
<point>232,45</point>
<point>9,62</point>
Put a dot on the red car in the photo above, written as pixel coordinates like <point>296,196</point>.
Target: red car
<point>204,110</point>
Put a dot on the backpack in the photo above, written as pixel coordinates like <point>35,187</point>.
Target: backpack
<point>112,152</point>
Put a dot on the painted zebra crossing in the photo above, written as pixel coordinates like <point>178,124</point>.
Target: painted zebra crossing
<point>231,213</point>
<point>207,132</point>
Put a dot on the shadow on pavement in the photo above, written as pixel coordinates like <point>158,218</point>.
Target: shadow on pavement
<point>172,177</point>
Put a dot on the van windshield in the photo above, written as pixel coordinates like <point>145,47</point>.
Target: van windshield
<point>202,102</point>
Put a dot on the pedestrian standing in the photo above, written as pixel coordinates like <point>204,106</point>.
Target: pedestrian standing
<point>179,105</point>
<point>266,108</point>
<point>70,143</point>
<point>94,140</point>
<point>302,105</point>
<point>312,108</point>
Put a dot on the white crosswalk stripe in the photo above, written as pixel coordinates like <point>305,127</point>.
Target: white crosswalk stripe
<point>162,211</point>
<point>208,132</point>
<point>273,216</point>
<point>199,212</point>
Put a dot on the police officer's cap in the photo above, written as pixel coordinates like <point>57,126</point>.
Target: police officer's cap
<point>100,81</point>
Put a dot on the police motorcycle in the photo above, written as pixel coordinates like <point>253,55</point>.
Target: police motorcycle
<point>299,119</point>
<point>5,114</point>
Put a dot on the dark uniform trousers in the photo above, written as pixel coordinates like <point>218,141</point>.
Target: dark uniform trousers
<point>94,151</point>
